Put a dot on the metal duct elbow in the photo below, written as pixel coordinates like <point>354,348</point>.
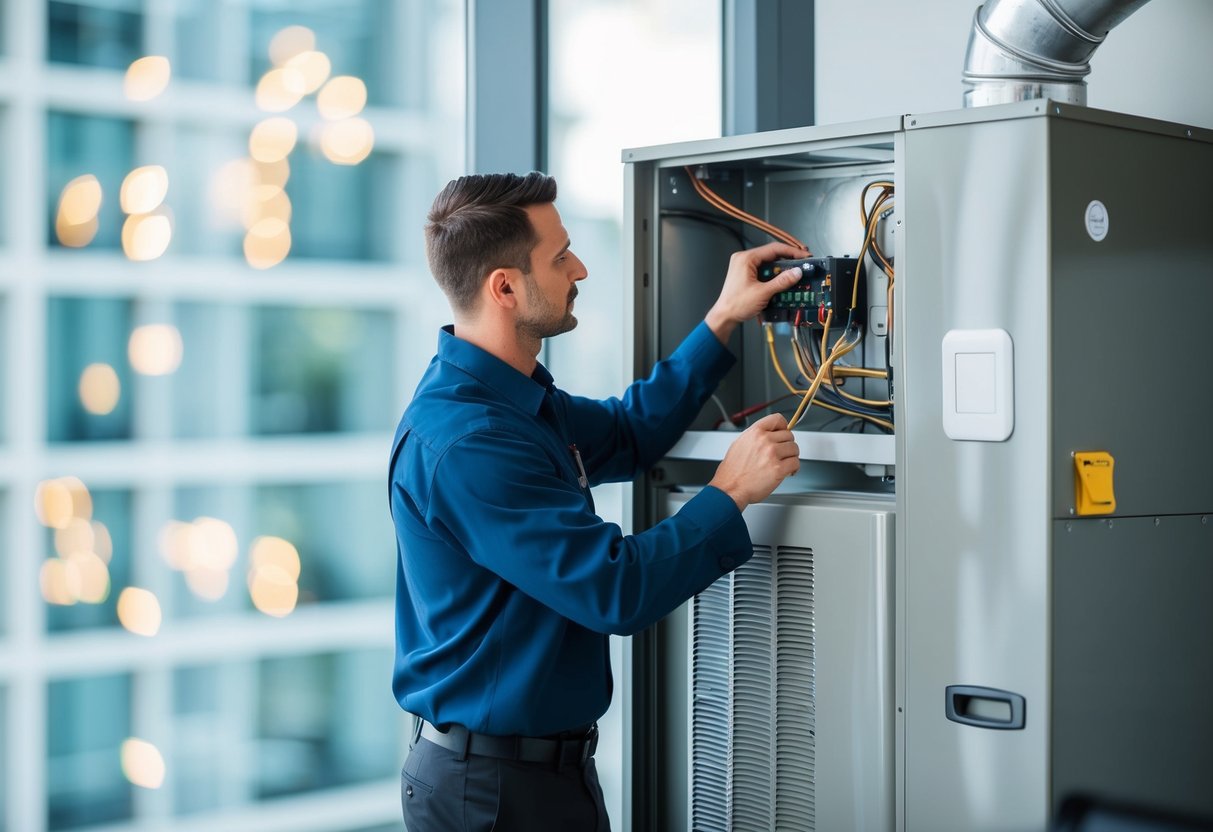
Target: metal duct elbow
<point>1022,49</point>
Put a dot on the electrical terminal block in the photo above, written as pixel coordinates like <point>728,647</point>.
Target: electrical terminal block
<point>826,284</point>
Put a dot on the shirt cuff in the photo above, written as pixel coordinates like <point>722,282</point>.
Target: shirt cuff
<point>715,512</point>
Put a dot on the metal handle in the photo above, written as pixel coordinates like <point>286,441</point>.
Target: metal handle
<point>984,707</point>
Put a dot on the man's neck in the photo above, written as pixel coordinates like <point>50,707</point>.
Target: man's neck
<point>501,340</point>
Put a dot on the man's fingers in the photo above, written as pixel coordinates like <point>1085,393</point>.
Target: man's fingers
<point>784,450</point>
<point>772,421</point>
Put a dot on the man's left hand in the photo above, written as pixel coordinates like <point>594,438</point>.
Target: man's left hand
<point>743,295</point>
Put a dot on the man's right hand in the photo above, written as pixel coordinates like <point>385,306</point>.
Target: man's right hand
<point>758,461</point>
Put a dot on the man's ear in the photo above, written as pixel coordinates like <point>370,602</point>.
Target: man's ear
<point>501,287</point>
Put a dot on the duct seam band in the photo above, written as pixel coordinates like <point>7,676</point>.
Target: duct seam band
<point>1066,22</point>
<point>1062,68</point>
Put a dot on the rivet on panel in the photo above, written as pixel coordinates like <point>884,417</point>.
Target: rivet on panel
<point>1069,526</point>
<point>1156,521</point>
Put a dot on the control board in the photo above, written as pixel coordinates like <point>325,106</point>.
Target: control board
<point>826,284</point>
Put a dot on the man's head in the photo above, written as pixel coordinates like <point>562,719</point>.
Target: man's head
<point>498,237</point>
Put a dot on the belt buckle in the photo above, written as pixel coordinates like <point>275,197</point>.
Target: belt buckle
<point>589,745</point>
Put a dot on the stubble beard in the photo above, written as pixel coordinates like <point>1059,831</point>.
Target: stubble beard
<point>544,320</point>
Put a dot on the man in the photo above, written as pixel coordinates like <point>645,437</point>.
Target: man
<point>508,583</point>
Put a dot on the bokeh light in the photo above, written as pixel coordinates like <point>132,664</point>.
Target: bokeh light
<point>205,550</point>
<point>267,202</point>
<point>146,78</point>
<point>52,578</point>
<point>279,90</point>
<point>146,236</point>
<point>347,142</point>
<point>103,545</point>
<point>78,535</point>
<point>273,139</point>
<point>155,349</point>
<point>99,389</point>
<point>289,42</point>
<point>312,69</point>
<point>144,189</point>
<point>273,577</point>
<point>342,97</point>
<point>142,763</point>
<point>57,501</point>
<point>76,222</point>
<point>267,243</point>
<point>88,578</point>
<point>139,611</point>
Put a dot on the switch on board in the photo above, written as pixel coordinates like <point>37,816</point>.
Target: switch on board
<point>1093,493</point>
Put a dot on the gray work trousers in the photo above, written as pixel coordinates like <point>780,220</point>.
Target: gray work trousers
<point>442,793</point>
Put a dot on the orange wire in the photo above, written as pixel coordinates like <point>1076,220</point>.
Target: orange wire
<point>718,202</point>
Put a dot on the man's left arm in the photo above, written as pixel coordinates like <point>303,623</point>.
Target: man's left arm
<point>618,438</point>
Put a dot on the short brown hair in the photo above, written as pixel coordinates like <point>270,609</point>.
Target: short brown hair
<point>478,223</point>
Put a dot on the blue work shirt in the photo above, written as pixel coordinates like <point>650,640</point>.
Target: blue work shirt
<point>507,582</point>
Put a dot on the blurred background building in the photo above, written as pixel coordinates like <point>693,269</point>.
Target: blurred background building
<point>214,304</point>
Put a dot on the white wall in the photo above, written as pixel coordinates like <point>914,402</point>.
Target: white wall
<point>887,57</point>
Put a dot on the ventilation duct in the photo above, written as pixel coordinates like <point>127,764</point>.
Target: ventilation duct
<point>1021,49</point>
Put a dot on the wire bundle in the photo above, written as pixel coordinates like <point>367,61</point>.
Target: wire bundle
<point>716,201</point>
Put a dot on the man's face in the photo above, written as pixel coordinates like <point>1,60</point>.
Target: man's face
<point>547,307</point>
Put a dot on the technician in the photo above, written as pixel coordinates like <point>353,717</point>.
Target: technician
<point>508,584</point>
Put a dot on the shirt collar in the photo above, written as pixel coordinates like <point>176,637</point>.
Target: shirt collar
<point>526,393</point>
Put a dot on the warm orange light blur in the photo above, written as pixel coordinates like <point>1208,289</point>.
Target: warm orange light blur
<point>103,545</point>
<point>99,389</point>
<point>76,236</point>
<point>82,501</point>
<point>155,349</point>
<point>273,591</point>
<point>217,544</point>
<point>144,189</point>
<point>53,504</point>
<point>273,174</point>
<point>146,78</point>
<point>267,202</point>
<point>207,584</point>
<point>312,68</point>
<point>289,42</point>
<point>274,551</point>
<point>77,536</point>
<point>279,90</point>
<point>267,243</point>
<point>88,578</point>
<point>273,139</point>
<point>80,200</point>
<point>342,97</point>
<point>347,142</point>
<point>52,578</point>
<point>139,611</point>
<point>146,236</point>
<point>142,763</point>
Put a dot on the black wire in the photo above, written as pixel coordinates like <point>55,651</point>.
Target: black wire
<point>708,219</point>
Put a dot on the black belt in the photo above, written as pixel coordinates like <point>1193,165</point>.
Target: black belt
<point>575,751</point>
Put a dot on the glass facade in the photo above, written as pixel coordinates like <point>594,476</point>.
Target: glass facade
<point>214,303</point>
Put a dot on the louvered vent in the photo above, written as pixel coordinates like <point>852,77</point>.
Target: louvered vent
<point>752,687</point>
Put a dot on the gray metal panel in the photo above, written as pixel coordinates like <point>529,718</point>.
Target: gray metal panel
<point>1054,109</point>
<point>1133,661</point>
<point>1131,315</point>
<point>851,538</point>
<point>771,143</point>
<point>973,530</point>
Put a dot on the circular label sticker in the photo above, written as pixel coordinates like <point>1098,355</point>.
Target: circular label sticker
<point>1097,220</point>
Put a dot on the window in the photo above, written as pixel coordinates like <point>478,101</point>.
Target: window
<point>194,423</point>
